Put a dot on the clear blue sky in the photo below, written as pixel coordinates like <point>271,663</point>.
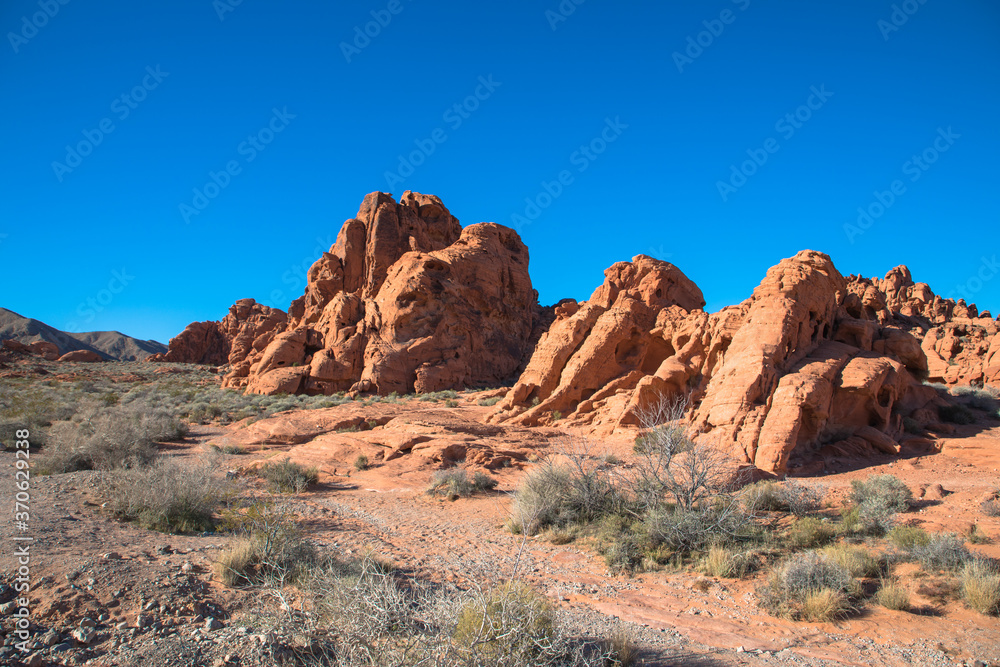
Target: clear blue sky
<point>197,87</point>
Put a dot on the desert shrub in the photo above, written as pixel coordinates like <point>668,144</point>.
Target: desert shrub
<point>557,495</point>
<point>878,499</point>
<point>688,530</point>
<point>621,649</point>
<point>956,413</point>
<point>436,396</point>
<point>991,508</point>
<point>487,402</point>
<point>912,426</point>
<point>288,477</point>
<point>232,450</point>
<point>122,436</point>
<point>455,483</point>
<point>168,496</point>
<point>808,586</point>
<point>976,398</point>
<point>981,586</point>
<point>451,403</point>
<point>511,620</point>
<point>267,547</point>
<point>976,535</point>
<point>856,560</point>
<point>893,595</point>
<point>944,551</point>
<point>771,496</point>
<point>908,537</point>
<point>624,553</point>
<point>361,463</point>
<point>809,532</point>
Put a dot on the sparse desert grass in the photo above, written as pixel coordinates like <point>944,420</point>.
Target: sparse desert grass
<point>893,595</point>
<point>987,400</point>
<point>436,396</point>
<point>454,483</point>
<point>288,477</point>
<point>231,450</point>
<point>361,463</point>
<point>981,586</point>
<point>487,402</point>
<point>944,551</point>
<point>727,563</point>
<point>513,619</point>
<point>167,496</point>
<point>977,536</point>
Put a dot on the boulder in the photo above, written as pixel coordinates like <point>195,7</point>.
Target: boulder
<point>86,356</point>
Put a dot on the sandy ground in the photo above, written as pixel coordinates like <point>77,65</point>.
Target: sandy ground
<point>85,564</point>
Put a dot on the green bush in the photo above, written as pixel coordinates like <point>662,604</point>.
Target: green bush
<point>809,532</point>
<point>956,414</point>
<point>487,402</point>
<point>909,537</point>
<point>288,477</point>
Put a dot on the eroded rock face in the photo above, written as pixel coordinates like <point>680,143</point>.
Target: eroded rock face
<point>81,356</point>
<point>248,327</point>
<point>406,300</point>
<point>812,364</point>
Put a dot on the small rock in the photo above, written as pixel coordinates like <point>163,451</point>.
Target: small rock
<point>143,621</point>
<point>84,635</point>
<point>740,649</point>
<point>8,608</point>
<point>60,648</point>
<point>88,624</point>
<point>187,567</point>
<point>34,660</point>
<point>212,623</point>
<point>51,638</point>
<point>111,555</point>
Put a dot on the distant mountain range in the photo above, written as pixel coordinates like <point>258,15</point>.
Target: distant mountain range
<point>111,345</point>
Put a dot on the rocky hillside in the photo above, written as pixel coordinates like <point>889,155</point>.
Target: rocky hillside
<point>110,345</point>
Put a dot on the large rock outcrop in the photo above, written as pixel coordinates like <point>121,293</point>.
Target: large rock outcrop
<point>812,364</point>
<point>248,327</point>
<point>406,300</point>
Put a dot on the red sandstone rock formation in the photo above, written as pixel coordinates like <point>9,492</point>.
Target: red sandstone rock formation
<point>248,327</point>
<point>82,356</point>
<point>406,300</point>
<point>811,364</point>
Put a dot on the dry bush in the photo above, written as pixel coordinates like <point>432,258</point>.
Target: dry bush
<point>167,496</point>
<point>770,496</point>
<point>268,548</point>
<point>361,463</point>
<point>944,551</point>
<point>991,508</point>
<point>981,586</point>
<point>878,499</point>
<point>105,438</point>
<point>893,595</point>
<point>453,483</point>
<point>288,477</point>
<point>809,586</point>
<point>357,613</point>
